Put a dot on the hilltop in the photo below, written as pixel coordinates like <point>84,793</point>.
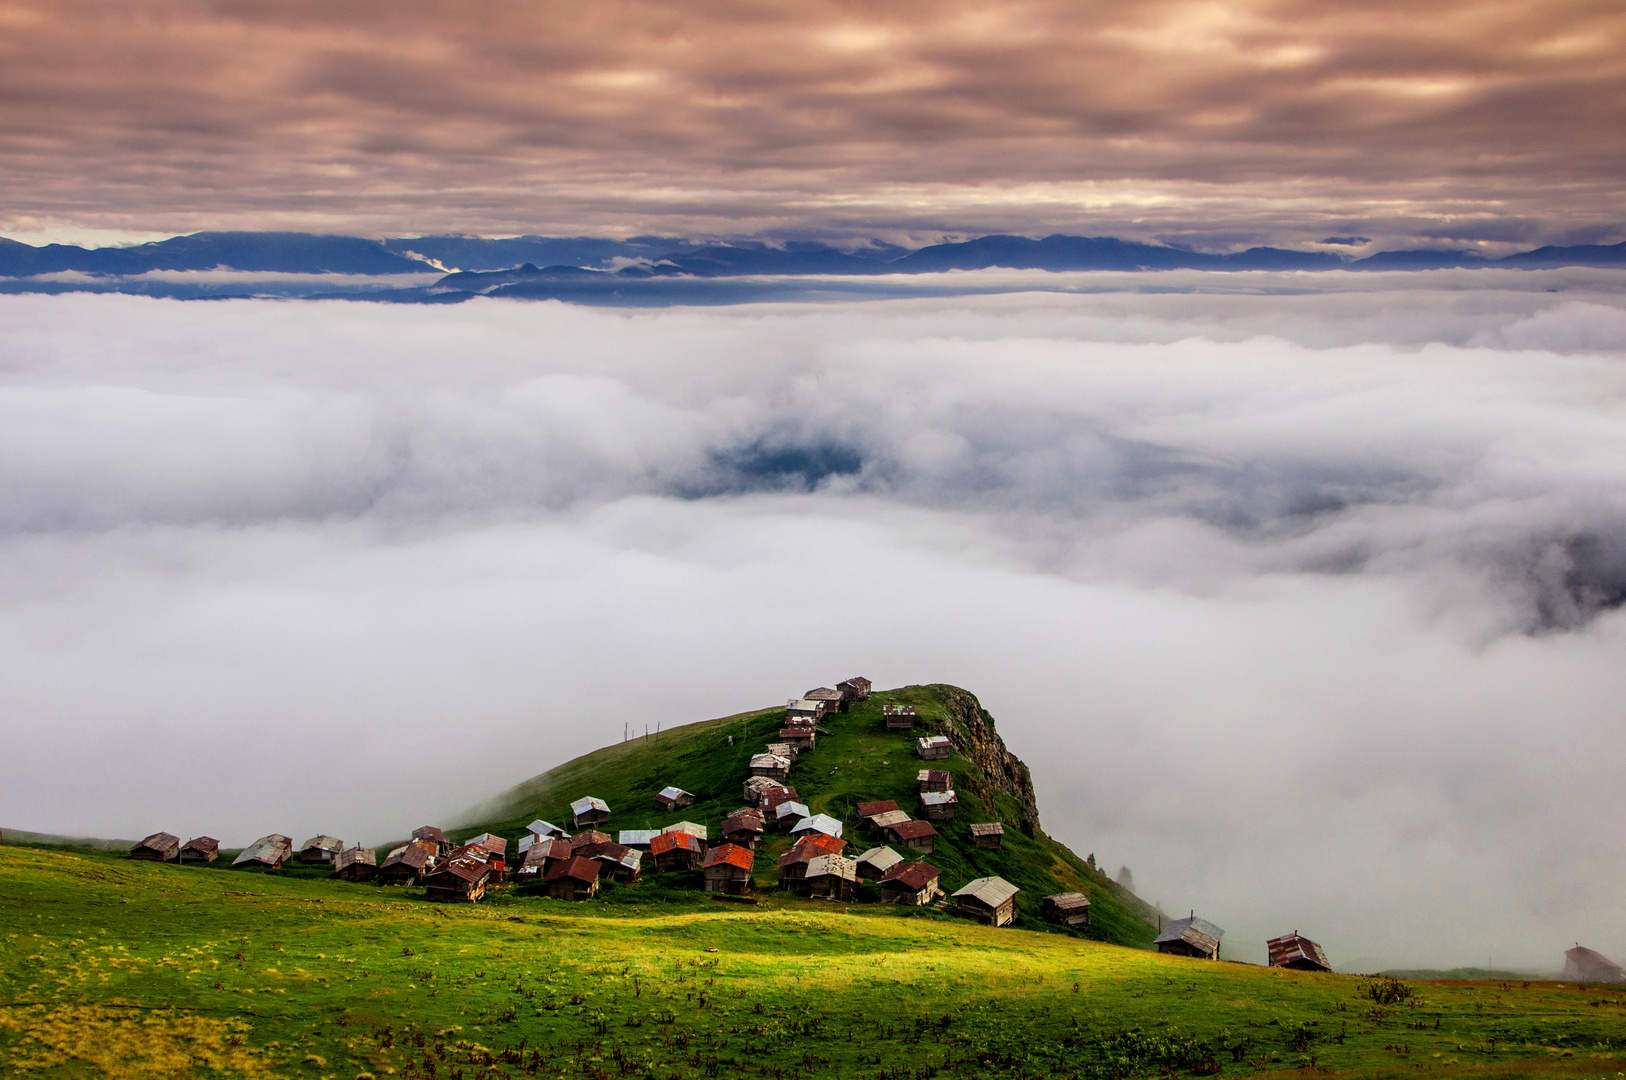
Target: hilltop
<point>855,760</point>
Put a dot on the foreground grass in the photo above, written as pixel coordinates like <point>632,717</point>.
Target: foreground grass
<point>131,970</point>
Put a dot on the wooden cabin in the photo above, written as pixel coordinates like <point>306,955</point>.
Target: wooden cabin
<point>802,709</point>
<point>200,849</point>
<point>588,811</point>
<point>782,749</point>
<point>407,864</point>
<point>267,853</point>
<point>320,849</point>
<point>771,766</point>
<point>988,834</point>
<point>829,696</point>
<point>831,877</point>
<point>823,823</point>
<point>1582,964</point>
<point>159,847</point>
<point>798,738</point>
<point>434,836</point>
<point>588,838</point>
<point>674,851</point>
<point>576,879</point>
<point>693,828</point>
<point>545,830</point>
<point>1191,936</point>
<point>933,747</point>
<point>867,810</point>
<point>878,824</point>
<point>912,884</point>
<point>457,879</point>
<point>775,798</point>
<point>1296,952</point>
<point>787,814</point>
<point>619,863</point>
<point>728,869</point>
<point>874,863</point>
<point>758,787</point>
<point>743,828</point>
<point>673,798</point>
<point>939,805</point>
<point>934,780</point>
<point>792,864</point>
<point>358,864</point>
<point>1068,909</point>
<point>989,900</point>
<point>853,690</point>
<point>914,835</point>
<point>899,717</point>
<point>543,854</point>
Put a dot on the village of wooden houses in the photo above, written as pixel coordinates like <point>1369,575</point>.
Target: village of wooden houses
<point>574,862</point>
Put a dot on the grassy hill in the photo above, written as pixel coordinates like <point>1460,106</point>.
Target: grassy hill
<point>855,760</point>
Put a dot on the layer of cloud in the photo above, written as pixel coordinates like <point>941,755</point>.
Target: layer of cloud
<point>1290,121</point>
<point>1316,628</point>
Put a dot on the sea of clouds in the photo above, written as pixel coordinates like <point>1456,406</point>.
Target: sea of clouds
<point>1303,604</point>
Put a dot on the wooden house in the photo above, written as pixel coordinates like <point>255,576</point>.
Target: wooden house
<point>619,863</point>
<point>828,696</point>
<point>728,869</point>
<point>693,828</point>
<point>874,863</point>
<point>989,900</point>
<point>268,852</point>
<point>1068,909</point>
<point>588,838</point>
<point>743,828</point>
<point>934,780</point>
<point>792,864</point>
<point>434,836</point>
<point>588,811</point>
<point>933,747</point>
<point>988,834</point>
<point>676,851</point>
<point>757,788</point>
<point>771,766</point>
<point>1296,952</point>
<point>774,799</point>
<point>673,798</point>
<point>576,879</point>
<point>356,864</point>
<point>1190,937</point>
<point>320,849</point>
<point>457,879</point>
<point>1587,965</point>
<point>823,823</point>
<point>798,738</point>
<point>407,864</point>
<point>831,877</point>
<point>200,849</point>
<point>939,805</point>
<point>898,717</point>
<point>545,830</point>
<point>914,835</point>
<point>802,709</point>
<point>782,749</point>
<point>867,810</point>
<point>159,847</point>
<point>787,814</point>
<point>853,690</point>
<point>540,856</point>
<point>878,824</point>
<point>913,884</point>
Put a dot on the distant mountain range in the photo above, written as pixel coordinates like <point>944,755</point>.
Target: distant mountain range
<point>651,268</point>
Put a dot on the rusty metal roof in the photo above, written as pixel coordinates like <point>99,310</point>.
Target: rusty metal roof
<point>823,823</point>
<point>992,891</point>
<point>729,855</point>
<point>675,841</point>
<point>1294,947</point>
<point>576,869</point>
<point>1068,901</point>
<point>913,876</point>
<point>465,867</point>
<point>934,776</point>
<point>491,842</point>
<point>201,843</point>
<point>351,856</point>
<point>429,832</point>
<point>882,858</point>
<point>589,802</point>
<point>741,822</point>
<point>794,732</point>
<point>810,846</point>
<point>987,828</point>
<point>267,849</point>
<point>588,836</point>
<point>912,830</point>
<point>879,806</point>
<point>414,855</point>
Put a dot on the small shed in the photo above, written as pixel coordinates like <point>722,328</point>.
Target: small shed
<point>867,810</point>
<point>673,798</point>
<point>829,695</point>
<point>989,900</point>
<point>576,879</point>
<point>159,847</point>
<point>544,830</point>
<point>899,717</point>
<point>620,863</point>
<point>407,864</point>
<point>457,880</point>
<point>823,823</point>
<point>356,864</point>
<point>1190,937</point>
<point>1068,909</point>
<point>939,805</point>
<point>676,851</point>
<point>934,780</point>
<point>988,834</point>
<point>913,884</point>
<point>933,747</point>
<point>798,738</point>
<point>881,822</point>
<point>1297,952</point>
<point>788,813</point>
<point>743,828</point>
<point>728,869</point>
<point>200,849</point>
<point>268,852</point>
<point>771,766</point>
<point>588,811</point>
<point>853,690</point>
<point>757,787</point>
<point>636,838</point>
<point>433,836</point>
<point>782,749</point>
<point>915,835</point>
<point>874,863</point>
<point>831,877</point>
<point>803,709</point>
<point>1585,965</point>
<point>320,849</point>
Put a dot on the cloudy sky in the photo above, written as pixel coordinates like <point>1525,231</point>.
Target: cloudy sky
<point>1217,122</point>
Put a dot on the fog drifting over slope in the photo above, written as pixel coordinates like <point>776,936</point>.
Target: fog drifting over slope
<point>1304,606</point>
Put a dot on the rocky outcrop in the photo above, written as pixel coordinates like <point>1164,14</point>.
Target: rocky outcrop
<point>1002,772</point>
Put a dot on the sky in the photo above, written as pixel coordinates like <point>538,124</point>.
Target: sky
<point>1489,124</point>
<point>1304,605</point>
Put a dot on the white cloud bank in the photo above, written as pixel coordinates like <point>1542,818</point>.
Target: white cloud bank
<point>1315,630</point>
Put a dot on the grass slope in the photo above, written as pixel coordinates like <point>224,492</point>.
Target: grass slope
<point>856,760</point>
<point>136,971</point>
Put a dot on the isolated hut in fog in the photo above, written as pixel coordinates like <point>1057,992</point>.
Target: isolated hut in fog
<point>1297,952</point>
<point>1584,965</point>
<point>1190,937</point>
<point>159,847</point>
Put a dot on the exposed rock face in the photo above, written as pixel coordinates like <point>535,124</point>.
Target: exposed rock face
<point>974,736</point>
